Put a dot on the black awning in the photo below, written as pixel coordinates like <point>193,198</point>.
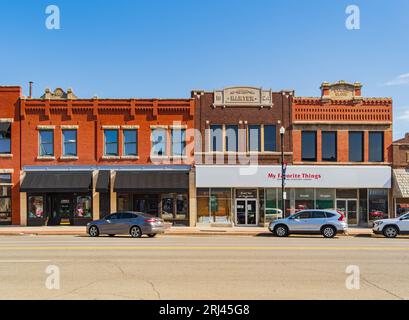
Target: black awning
<point>103,181</point>
<point>149,181</point>
<point>57,182</point>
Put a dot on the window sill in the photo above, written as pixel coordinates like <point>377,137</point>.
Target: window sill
<point>178,157</point>
<point>6,155</point>
<point>111,157</point>
<point>69,158</point>
<point>130,157</point>
<point>45,158</point>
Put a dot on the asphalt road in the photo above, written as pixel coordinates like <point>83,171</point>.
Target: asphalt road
<point>218,267</point>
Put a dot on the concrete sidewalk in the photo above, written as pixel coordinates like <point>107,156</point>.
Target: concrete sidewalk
<point>177,231</point>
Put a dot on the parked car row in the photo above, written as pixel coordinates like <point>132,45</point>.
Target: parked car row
<point>331,222</point>
<point>328,223</point>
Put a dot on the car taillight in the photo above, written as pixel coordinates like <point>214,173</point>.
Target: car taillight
<point>150,220</point>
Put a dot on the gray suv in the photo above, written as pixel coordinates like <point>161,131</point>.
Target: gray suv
<point>325,222</point>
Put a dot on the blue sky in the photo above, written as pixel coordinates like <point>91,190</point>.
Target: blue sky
<point>166,48</point>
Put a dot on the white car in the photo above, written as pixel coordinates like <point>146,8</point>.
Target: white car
<point>391,228</point>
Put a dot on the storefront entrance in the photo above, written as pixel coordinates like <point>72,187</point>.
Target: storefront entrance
<point>246,212</point>
<point>349,208</point>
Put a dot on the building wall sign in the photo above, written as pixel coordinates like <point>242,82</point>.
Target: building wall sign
<point>297,177</point>
<point>242,96</point>
<point>341,90</point>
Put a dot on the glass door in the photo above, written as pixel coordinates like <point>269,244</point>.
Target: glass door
<point>349,208</point>
<point>246,212</point>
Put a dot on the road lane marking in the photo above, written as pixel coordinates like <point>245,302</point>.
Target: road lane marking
<point>199,248</point>
<point>24,261</point>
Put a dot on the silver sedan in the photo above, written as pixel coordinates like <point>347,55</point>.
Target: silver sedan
<point>135,224</point>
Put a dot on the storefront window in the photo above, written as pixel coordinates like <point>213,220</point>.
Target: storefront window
<point>304,199</point>
<point>125,202</point>
<point>36,207</point>
<point>363,206</point>
<point>402,207</point>
<point>272,211</point>
<point>220,205</point>
<point>168,206</point>
<point>378,204</point>
<point>289,202</point>
<point>182,206</point>
<point>325,199</point>
<point>104,204</point>
<point>5,198</point>
<point>84,207</point>
<point>203,209</point>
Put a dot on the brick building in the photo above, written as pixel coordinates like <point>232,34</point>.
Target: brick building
<point>400,151</point>
<point>240,145</point>
<point>346,140</point>
<point>85,158</point>
<point>213,159</point>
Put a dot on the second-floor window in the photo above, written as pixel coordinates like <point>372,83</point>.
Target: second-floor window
<point>329,146</point>
<point>376,147</point>
<point>159,142</point>
<point>5,138</point>
<point>356,146</point>
<point>216,138</point>
<point>46,143</point>
<point>309,146</point>
<point>130,143</point>
<point>232,138</point>
<point>69,143</point>
<point>270,138</point>
<point>178,142</point>
<point>111,143</point>
<point>254,138</point>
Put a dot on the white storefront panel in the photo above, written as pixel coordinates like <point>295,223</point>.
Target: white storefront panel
<point>225,176</point>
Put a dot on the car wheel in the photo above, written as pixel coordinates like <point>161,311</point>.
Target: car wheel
<point>390,232</point>
<point>281,231</point>
<point>111,235</point>
<point>328,232</point>
<point>135,232</point>
<point>93,231</point>
<point>152,235</point>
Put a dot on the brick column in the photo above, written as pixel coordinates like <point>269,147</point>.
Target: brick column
<point>319,145</point>
<point>296,146</point>
<point>366,146</point>
<point>192,198</point>
<point>343,145</point>
<point>95,196</point>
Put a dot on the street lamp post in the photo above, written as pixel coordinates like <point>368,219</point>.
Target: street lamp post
<point>283,170</point>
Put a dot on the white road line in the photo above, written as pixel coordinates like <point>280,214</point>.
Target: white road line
<point>24,261</point>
